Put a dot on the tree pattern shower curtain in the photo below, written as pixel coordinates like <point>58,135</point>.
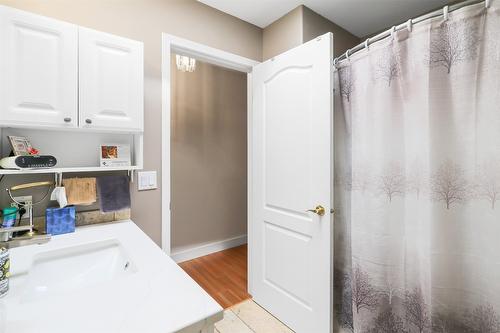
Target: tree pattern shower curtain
<point>417,179</point>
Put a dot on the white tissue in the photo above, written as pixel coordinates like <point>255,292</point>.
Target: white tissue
<point>59,194</point>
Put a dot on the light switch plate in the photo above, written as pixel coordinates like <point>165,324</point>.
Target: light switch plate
<point>146,180</point>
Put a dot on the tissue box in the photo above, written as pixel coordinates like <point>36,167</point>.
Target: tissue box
<point>60,220</point>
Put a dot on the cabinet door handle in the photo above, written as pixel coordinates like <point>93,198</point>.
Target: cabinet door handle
<point>67,120</point>
<point>88,121</point>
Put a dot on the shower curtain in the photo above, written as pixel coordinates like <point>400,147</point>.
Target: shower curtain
<point>417,179</point>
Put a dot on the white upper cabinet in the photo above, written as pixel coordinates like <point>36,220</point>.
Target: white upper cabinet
<point>57,75</point>
<point>111,81</point>
<point>38,70</point>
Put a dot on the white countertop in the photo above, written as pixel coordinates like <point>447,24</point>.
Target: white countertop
<point>158,297</point>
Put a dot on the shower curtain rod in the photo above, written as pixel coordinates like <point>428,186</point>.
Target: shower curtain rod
<point>408,24</point>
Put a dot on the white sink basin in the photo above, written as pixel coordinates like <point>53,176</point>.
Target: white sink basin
<point>78,283</point>
<point>71,268</point>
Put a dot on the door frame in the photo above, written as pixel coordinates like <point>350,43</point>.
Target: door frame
<point>171,43</point>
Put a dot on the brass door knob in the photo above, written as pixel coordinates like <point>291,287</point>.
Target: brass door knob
<point>320,210</point>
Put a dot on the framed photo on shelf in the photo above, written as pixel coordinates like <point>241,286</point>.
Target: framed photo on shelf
<point>111,155</point>
<point>20,145</point>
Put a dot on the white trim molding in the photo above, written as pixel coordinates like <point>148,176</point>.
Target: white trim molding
<point>200,250</point>
<point>207,54</point>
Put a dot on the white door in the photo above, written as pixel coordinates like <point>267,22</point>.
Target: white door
<point>111,81</point>
<point>39,70</point>
<point>291,248</point>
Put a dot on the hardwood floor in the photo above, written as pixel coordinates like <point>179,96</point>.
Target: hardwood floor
<point>223,275</point>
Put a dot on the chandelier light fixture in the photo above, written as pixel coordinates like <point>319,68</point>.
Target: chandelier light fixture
<point>185,64</point>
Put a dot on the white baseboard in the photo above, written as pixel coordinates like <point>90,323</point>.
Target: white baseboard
<point>199,250</point>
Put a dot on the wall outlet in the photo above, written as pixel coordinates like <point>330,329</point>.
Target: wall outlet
<point>28,200</point>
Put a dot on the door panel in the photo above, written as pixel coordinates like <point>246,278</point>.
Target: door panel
<point>281,263</point>
<point>111,81</point>
<point>290,260</point>
<point>286,188</point>
<point>38,62</point>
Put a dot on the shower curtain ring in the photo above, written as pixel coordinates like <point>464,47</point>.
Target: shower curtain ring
<point>347,54</point>
<point>393,31</point>
<point>409,25</point>
<point>367,44</point>
<point>446,12</point>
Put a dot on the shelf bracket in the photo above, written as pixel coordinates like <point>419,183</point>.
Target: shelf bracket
<point>58,176</point>
<point>130,174</point>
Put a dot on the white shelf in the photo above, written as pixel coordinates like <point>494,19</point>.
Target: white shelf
<point>66,170</point>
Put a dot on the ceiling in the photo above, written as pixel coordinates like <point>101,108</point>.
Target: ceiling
<point>360,17</point>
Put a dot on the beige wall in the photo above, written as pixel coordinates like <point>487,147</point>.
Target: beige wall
<point>283,34</point>
<point>145,20</point>
<point>300,26</point>
<point>314,25</point>
<point>208,158</point>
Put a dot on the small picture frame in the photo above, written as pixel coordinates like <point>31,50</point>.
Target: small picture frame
<point>114,155</point>
<point>20,145</point>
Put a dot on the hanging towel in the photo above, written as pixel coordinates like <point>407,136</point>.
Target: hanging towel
<point>114,193</point>
<point>80,191</point>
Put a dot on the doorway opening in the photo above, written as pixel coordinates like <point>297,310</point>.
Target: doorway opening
<point>208,160</point>
<point>205,166</point>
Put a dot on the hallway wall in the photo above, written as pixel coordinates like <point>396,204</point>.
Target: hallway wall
<point>208,155</point>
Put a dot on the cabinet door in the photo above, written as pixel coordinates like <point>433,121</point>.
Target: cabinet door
<point>39,70</point>
<point>111,81</point>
